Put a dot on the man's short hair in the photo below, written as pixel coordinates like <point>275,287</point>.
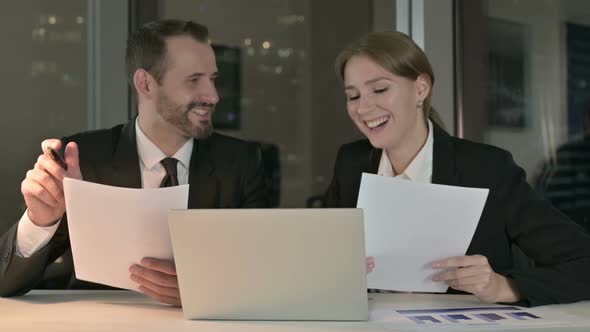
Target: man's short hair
<point>146,47</point>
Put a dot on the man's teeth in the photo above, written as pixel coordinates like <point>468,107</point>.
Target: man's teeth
<point>377,122</point>
<point>200,111</point>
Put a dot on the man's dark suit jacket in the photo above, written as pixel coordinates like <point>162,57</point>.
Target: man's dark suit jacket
<point>224,172</point>
<point>513,215</point>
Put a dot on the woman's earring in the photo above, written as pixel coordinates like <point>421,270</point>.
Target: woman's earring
<point>420,104</point>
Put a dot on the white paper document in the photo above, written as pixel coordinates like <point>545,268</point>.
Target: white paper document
<point>409,225</point>
<point>112,228</point>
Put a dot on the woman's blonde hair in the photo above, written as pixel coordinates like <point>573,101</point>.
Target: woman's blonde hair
<point>397,53</point>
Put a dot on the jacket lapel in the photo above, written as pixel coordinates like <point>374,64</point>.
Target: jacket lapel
<point>371,164</point>
<point>126,172</point>
<point>443,158</point>
<point>204,185</point>
<point>203,192</point>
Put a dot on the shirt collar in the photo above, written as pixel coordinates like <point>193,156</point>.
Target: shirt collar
<point>150,155</point>
<point>420,169</point>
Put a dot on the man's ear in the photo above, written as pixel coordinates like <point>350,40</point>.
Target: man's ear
<point>144,83</point>
<point>423,84</point>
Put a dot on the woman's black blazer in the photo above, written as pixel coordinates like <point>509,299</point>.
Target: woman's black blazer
<point>514,215</point>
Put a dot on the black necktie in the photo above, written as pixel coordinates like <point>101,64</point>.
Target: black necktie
<point>171,179</point>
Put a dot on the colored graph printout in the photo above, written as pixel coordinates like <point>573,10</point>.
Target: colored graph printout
<point>467,315</point>
<point>476,318</point>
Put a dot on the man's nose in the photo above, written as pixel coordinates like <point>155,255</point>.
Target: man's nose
<point>212,97</point>
<point>209,94</point>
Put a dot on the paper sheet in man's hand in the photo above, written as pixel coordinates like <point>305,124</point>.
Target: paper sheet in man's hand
<point>112,228</point>
<point>409,225</point>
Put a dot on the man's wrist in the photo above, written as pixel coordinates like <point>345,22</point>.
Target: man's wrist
<point>30,238</point>
<point>33,220</point>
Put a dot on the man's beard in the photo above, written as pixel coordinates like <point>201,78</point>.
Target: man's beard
<point>178,116</point>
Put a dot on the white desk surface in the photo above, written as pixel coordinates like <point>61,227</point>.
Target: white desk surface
<point>123,311</point>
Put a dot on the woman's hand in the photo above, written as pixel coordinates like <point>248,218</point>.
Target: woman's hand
<point>473,274</point>
<point>370,261</point>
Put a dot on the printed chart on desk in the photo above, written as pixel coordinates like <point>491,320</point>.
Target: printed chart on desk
<point>484,318</point>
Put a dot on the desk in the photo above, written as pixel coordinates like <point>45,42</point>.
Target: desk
<point>82,311</point>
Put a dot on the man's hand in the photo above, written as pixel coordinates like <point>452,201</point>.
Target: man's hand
<point>157,279</point>
<point>473,274</point>
<point>42,187</point>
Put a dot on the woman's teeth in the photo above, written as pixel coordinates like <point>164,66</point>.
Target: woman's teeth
<point>377,122</point>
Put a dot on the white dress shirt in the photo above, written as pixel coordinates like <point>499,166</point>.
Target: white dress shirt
<point>420,169</point>
<point>30,237</point>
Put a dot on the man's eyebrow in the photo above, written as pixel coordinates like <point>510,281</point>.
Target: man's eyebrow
<point>197,75</point>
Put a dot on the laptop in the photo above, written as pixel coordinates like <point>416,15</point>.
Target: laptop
<point>270,264</point>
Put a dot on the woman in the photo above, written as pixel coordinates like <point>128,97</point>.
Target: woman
<point>388,85</point>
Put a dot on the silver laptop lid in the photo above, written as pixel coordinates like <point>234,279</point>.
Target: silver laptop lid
<point>270,264</point>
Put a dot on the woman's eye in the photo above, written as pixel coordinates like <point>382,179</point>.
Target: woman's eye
<point>350,98</point>
<point>380,90</point>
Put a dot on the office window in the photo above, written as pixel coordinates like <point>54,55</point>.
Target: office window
<point>289,98</point>
<point>44,86</point>
<point>279,85</point>
<point>525,71</point>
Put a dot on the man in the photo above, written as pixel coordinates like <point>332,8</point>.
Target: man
<point>172,68</point>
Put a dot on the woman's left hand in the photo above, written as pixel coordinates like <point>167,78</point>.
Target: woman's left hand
<point>370,263</point>
<point>473,274</point>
